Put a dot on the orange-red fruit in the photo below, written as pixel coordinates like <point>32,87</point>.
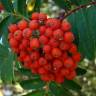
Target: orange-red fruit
<point>46,48</point>
<point>42,16</point>
<point>68,63</point>
<point>27,33</point>
<point>35,55</point>
<point>64,46</point>
<point>73,49</point>
<point>34,43</point>
<point>42,30</point>
<point>13,42</point>
<point>53,23</point>
<point>34,25</point>
<point>35,16</point>
<point>49,32</point>
<point>64,72</point>
<point>71,75</point>
<point>18,35</point>
<point>22,24</point>
<point>66,26</point>
<point>57,64</point>
<point>53,43</point>
<point>42,61</point>
<point>48,56</point>
<point>56,52</point>
<point>43,39</point>
<point>58,34</point>
<point>59,78</point>
<point>12,28</point>
<point>77,57</point>
<point>42,71</point>
<point>69,37</point>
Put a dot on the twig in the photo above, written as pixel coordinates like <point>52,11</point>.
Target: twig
<point>78,8</point>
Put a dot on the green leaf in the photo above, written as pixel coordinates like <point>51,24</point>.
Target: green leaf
<point>8,6</point>
<point>63,4</point>
<point>69,84</point>
<point>58,90</point>
<point>37,5</point>
<point>80,71</point>
<point>80,2</point>
<point>84,26</point>
<point>4,29</point>
<point>1,24</point>
<point>36,93</point>
<point>20,7</point>
<point>6,65</point>
<point>32,84</point>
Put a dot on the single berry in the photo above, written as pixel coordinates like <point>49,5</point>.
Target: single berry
<point>58,34</point>
<point>35,16</point>
<point>22,24</point>
<point>27,33</point>
<point>65,26</point>
<point>56,52</point>
<point>43,39</point>
<point>69,37</point>
<point>47,48</point>
<point>34,43</point>
<point>53,23</point>
<point>34,25</point>
<point>12,28</point>
<point>42,16</point>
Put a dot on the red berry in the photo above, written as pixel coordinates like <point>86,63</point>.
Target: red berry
<point>34,43</point>
<point>43,39</point>
<point>48,67</point>
<point>42,61</point>
<point>46,48</point>
<point>68,63</point>
<point>53,43</point>
<point>69,37</point>
<point>66,26</point>
<point>42,16</point>
<point>22,24</point>
<point>45,78</point>
<point>59,78</point>
<point>71,75</point>
<point>13,42</point>
<point>73,49</point>
<point>56,52</point>
<point>35,65</point>
<point>64,72</point>
<point>48,32</point>
<point>53,23</point>
<point>48,56</point>
<point>41,70</point>
<point>34,24</point>
<point>57,64</point>
<point>77,57</point>
<point>35,55</point>
<point>58,34</point>
<point>18,35</point>
<point>42,30</point>
<point>27,33</point>
<point>12,28</point>
<point>35,16</point>
<point>64,46</point>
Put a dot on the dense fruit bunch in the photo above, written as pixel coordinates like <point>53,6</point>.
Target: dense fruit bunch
<point>46,47</point>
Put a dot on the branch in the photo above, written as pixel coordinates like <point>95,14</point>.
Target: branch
<point>78,8</point>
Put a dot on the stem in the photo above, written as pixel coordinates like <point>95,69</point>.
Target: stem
<point>17,15</point>
<point>78,8</point>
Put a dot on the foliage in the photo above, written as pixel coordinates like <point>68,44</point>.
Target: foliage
<point>83,24</point>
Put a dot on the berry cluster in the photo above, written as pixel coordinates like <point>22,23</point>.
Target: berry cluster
<point>46,47</point>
